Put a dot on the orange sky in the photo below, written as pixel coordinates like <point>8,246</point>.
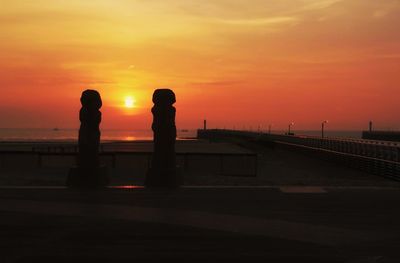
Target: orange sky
<point>229,61</point>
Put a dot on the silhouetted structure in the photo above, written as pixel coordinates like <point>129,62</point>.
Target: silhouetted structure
<point>163,171</point>
<point>381,135</point>
<point>89,173</point>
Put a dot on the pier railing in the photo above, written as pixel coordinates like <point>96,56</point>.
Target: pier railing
<point>222,163</point>
<point>378,157</point>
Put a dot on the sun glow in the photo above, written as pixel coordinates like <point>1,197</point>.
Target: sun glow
<point>130,102</point>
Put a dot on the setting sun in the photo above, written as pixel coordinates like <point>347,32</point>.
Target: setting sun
<point>130,102</point>
<point>282,59</point>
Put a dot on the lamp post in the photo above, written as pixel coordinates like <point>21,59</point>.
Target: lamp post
<point>290,125</point>
<point>323,128</point>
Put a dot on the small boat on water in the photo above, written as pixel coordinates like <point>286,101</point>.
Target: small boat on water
<point>56,129</point>
<point>184,130</point>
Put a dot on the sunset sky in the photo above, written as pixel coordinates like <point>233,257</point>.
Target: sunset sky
<point>237,63</point>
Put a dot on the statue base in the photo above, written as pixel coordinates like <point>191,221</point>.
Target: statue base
<point>88,177</point>
<point>171,178</point>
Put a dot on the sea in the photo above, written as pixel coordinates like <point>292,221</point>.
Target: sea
<point>33,135</point>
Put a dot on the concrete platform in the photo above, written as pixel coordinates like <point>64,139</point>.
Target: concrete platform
<point>275,166</point>
<point>235,224</point>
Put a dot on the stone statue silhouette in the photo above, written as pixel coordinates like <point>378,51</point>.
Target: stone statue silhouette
<point>163,171</point>
<point>89,132</point>
<point>89,173</point>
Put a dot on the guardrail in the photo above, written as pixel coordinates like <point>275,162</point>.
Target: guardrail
<point>376,157</point>
<point>388,169</point>
<point>224,160</point>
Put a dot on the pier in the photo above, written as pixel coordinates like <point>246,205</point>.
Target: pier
<point>372,156</point>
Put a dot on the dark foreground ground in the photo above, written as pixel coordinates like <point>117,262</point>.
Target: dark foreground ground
<point>269,224</point>
<point>297,209</point>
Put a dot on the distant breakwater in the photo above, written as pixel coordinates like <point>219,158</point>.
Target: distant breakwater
<point>381,135</point>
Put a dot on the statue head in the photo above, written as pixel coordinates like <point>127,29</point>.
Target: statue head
<point>164,97</point>
<point>91,99</point>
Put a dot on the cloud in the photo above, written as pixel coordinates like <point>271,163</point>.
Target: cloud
<point>319,4</point>
<point>260,21</point>
<point>217,83</point>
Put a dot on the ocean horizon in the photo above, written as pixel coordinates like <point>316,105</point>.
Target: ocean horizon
<point>42,134</point>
